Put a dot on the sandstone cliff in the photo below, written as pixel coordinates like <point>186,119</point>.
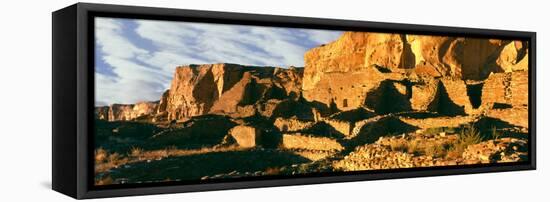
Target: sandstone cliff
<point>386,73</point>
<point>126,112</point>
<point>418,72</point>
<point>366,101</point>
<point>227,89</point>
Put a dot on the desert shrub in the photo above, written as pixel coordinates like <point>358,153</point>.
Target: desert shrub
<point>413,147</point>
<point>113,158</point>
<point>399,145</point>
<point>468,136</point>
<point>136,151</point>
<point>435,150</point>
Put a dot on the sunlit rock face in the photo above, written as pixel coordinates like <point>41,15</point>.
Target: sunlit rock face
<point>227,89</point>
<point>366,101</point>
<point>386,73</point>
<point>126,112</point>
<point>418,71</point>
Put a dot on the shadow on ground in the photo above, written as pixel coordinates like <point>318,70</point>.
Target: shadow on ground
<point>195,167</point>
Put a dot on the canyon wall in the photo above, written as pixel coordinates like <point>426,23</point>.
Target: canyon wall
<point>418,72</point>
<point>227,89</point>
<point>386,73</point>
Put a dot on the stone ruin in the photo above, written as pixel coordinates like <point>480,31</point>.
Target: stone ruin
<point>358,77</point>
<point>392,73</point>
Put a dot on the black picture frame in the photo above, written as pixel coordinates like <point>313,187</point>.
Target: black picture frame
<point>73,98</point>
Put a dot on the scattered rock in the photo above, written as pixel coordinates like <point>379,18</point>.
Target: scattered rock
<point>497,151</point>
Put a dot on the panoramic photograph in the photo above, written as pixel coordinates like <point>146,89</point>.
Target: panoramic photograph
<point>191,102</point>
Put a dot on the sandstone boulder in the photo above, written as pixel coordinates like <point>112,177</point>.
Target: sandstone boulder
<point>245,136</point>
<point>497,151</point>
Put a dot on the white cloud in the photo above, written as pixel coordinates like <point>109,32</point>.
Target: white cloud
<point>321,36</point>
<point>134,82</point>
<point>250,45</point>
<point>144,72</point>
<point>109,38</point>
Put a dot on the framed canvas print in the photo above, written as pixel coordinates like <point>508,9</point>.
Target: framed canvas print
<point>154,100</point>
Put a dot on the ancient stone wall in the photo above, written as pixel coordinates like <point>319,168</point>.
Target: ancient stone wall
<point>343,55</point>
<point>423,94</point>
<point>344,127</point>
<point>291,124</point>
<point>494,89</point>
<point>296,141</point>
<point>457,93</point>
<point>335,75</point>
<point>520,88</point>
<point>506,89</point>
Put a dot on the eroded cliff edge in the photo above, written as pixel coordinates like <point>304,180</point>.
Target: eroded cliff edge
<point>386,73</point>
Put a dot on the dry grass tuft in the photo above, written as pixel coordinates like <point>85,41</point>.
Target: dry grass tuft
<point>399,145</point>
<point>468,136</point>
<point>136,151</point>
<point>414,147</point>
<point>435,150</point>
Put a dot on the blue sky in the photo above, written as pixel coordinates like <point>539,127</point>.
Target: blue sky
<point>135,59</point>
